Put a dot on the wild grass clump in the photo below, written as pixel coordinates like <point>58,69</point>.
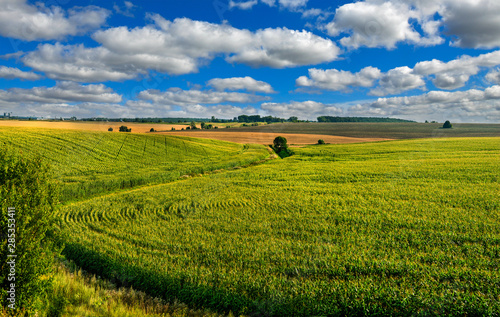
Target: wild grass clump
<point>77,293</point>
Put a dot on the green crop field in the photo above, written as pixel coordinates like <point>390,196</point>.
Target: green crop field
<point>89,163</point>
<point>408,227</point>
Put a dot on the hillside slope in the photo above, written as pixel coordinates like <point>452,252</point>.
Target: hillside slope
<point>89,163</point>
<point>389,228</point>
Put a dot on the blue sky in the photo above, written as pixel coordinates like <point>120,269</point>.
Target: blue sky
<point>412,59</point>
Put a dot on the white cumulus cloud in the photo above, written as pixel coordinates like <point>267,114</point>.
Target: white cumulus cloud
<point>12,73</point>
<point>455,73</point>
<point>176,96</point>
<point>474,23</point>
<point>373,24</point>
<point>24,21</point>
<point>240,83</point>
<point>292,5</point>
<point>385,23</point>
<point>398,80</point>
<point>339,80</point>
<point>177,47</point>
<point>282,47</point>
<point>63,92</point>
<point>494,76</point>
<point>244,5</point>
<point>444,75</point>
<point>467,106</point>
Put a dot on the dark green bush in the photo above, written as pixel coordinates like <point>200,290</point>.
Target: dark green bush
<point>28,198</point>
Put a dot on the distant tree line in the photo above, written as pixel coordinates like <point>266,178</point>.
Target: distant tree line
<point>247,119</point>
<point>359,119</point>
<point>267,119</point>
<point>149,120</point>
<point>240,119</point>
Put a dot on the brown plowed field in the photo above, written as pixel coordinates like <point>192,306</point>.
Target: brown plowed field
<point>267,138</point>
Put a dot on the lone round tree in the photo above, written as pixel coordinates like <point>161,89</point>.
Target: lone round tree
<point>447,125</point>
<point>280,146</point>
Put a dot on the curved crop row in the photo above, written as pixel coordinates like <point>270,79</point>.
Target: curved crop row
<point>392,228</point>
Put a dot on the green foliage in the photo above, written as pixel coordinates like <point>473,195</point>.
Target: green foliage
<point>257,118</point>
<point>152,130</point>
<point>77,293</point>
<point>88,163</point>
<point>147,120</point>
<point>321,141</point>
<point>25,251</point>
<point>124,128</point>
<point>280,146</point>
<point>110,129</point>
<point>192,125</point>
<point>391,228</point>
<point>447,125</point>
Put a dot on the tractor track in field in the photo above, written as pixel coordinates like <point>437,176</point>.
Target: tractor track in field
<point>271,156</point>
